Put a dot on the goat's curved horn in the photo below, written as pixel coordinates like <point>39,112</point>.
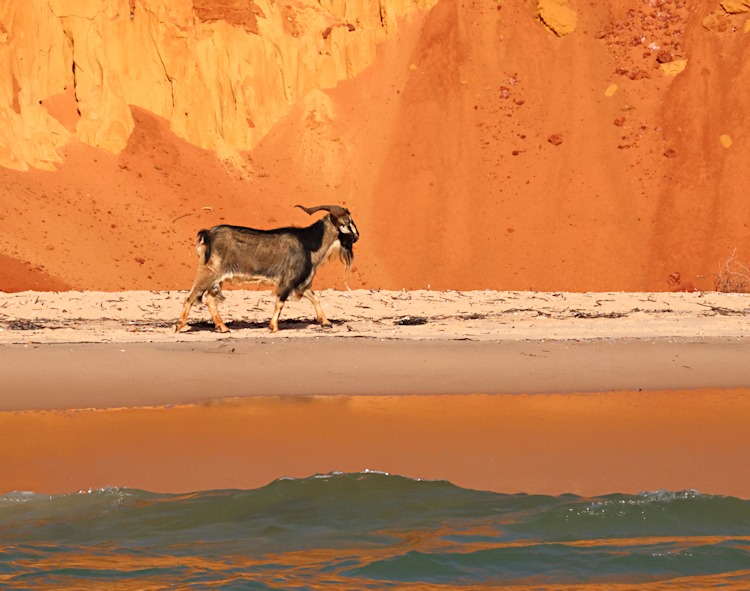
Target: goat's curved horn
<point>336,210</point>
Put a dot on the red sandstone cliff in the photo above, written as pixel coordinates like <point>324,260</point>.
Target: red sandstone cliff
<point>549,145</point>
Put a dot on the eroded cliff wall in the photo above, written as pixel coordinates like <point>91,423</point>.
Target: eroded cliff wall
<point>222,72</point>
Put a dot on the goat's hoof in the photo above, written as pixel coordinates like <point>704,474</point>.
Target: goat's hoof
<point>222,328</point>
<point>326,325</point>
<point>179,327</point>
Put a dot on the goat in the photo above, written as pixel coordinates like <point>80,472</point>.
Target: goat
<point>284,257</point>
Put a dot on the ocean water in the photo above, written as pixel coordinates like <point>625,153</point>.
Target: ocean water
<point>372,531</point>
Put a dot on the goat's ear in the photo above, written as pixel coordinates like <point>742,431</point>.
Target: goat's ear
<point>337,211</point>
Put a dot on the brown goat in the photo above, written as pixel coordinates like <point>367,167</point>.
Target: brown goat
<point>284,257</point>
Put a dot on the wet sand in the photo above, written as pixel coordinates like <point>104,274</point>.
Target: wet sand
<point>512,392</point>
<point>108,375</point>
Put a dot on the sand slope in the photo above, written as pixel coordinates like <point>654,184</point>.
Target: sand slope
<point>479,151</point>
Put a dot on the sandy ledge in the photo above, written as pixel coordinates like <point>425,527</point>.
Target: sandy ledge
<point>146,316</point>
<point>99,349</point>
<point>511,391</point>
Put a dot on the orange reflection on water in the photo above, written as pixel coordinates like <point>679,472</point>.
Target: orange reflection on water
<point>587,444</point>
<point>316,569</point>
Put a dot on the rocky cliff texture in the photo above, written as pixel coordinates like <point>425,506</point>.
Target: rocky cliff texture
<point>222,72</point>
<point>548,144</point>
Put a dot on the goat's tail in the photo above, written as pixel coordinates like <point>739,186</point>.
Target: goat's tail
<point>203,245</point>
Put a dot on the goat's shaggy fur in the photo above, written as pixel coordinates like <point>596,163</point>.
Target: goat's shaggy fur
<point>284,257</point>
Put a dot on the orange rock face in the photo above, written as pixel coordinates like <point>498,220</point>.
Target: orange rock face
<point>144,121</point>
<point>558,16</point>
<point>222,73</point>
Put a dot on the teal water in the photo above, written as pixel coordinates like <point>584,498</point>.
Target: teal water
<point>371,530</point>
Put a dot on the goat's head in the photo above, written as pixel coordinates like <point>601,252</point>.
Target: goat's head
<point>344,223</point>
<point>342,220</point>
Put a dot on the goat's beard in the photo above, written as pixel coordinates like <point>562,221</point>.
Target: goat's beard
<point>346,252</point>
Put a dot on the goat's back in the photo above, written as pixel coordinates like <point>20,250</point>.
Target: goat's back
<point>279,255</point>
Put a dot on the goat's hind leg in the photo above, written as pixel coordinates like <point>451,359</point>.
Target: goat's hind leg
<point>212,303</point>
<point>319,316</point>
<point>191,299</point>
<point>203,283</point>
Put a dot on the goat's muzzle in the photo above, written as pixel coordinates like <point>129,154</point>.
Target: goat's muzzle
<point>347,239</point>
<point>348,233</point>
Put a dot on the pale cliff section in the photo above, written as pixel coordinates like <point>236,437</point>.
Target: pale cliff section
<point>222,73</point>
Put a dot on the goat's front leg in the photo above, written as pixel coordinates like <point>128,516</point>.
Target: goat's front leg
<point>319,316</point>
<point>213,308</point>
<point>274,324</point>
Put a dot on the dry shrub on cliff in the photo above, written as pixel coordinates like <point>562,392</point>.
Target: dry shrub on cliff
<point>733,276</point>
